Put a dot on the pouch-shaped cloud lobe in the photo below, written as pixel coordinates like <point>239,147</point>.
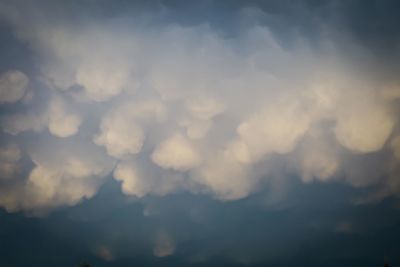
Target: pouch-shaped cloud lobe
<point>13,85</point>
<point>185,108</point>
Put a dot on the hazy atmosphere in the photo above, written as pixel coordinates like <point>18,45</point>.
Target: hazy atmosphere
<point>200,133</point>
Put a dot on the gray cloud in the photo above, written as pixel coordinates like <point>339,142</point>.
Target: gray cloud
<point>13,85</point>
<point>185,108</point>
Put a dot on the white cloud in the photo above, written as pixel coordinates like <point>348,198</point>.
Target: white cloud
<point>120,136</point>
<point>275,129</point>
<point>200,110</point>
<point>62,175</point>
<point>226,178</point>
<point>204,107</point>
<point>62,123</point>
<point>102,80</point>
<point>318,158</point>
<point>121,131</point>
<point>177,153</point>
<point>63,184</point>
<point>140,179</point>
<point>362,124</point>
<point>57,117</point>
<point>133,183</point>
<point>184,108</point>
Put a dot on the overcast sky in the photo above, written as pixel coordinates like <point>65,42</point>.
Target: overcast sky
<point>199,133</point>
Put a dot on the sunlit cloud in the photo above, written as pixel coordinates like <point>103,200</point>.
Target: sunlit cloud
<point>183,108</point>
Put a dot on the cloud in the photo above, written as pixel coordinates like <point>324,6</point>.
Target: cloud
<point>120,137</point>
<point>13,86</point>
<point>176,153</point>
<point>140,178</point>
<point>101,83</point>
<point>177,107</point>
<point>58,118</point>
<point>9,158</point>
<point>75,178</point>
<point>318,159</point>
<point>61,123</point>
<point>201,110</point>
<point>22,122</point>
<point>61,175</point>
<point>163,245</point>
<point>226,177</point>
<point>132,180</point>
<point>363,126</point>
<point>121,131</point>
<point>276,128</point>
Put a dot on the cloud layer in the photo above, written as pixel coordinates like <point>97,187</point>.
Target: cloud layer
<point>184,108</point>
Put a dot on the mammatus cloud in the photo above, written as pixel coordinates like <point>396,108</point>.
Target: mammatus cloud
<point>61,175</point>
<point>177,108</point>
<point>13,85</point>
<point>163,245</point>
<point>57,118</point>
<point>176,153</point>
<point>9,158</point>
<point>122,132</point>
<point>373,119</point>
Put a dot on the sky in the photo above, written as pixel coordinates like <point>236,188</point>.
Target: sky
<point>199,133</point>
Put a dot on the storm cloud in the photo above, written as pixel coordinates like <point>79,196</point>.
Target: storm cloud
<point>183,107</point>
<point>223,100</point>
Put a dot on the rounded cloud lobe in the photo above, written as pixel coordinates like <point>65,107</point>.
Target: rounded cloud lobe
<point>13,85</point>
<point>176,153</point>
<point>186,109</point>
